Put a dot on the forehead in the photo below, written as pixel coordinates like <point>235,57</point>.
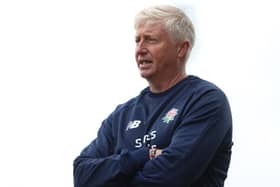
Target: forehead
<point>150,27</point>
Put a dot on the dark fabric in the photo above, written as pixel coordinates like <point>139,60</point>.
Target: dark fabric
<point>191,122</point>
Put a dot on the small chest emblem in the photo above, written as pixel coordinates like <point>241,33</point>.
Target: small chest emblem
<point>133,124</point>
<point>170,115</point>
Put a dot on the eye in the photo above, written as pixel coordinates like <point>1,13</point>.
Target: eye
<point>152,40</point>
<point>137,40</point>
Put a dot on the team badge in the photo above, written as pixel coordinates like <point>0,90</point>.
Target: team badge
<point>170,115</point>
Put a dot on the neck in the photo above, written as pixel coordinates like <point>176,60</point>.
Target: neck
<point>163,85</point>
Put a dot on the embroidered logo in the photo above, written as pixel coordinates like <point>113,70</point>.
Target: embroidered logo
<point>133,124</point>
<point>170,115</point>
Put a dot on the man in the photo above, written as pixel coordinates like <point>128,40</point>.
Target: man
<point>176,132</point>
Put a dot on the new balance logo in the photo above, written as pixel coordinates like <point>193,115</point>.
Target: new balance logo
<point>133,124</point>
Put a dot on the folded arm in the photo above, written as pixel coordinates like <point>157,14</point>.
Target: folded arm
<point>193,147</point>
<point>98,166</point>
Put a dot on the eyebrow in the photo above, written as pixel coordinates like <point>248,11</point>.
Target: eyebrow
<point>147,35</point>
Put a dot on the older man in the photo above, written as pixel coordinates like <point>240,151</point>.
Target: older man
<point>176,132</point>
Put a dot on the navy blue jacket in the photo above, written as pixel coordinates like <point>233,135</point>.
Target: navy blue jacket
<point>191,122</point>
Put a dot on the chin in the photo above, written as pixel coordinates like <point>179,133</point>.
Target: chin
<point>147,77</point>
<point>146,74</point>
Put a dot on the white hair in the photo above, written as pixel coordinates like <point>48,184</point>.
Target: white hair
<point>177,23</point>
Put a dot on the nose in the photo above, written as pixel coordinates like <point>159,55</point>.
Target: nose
<point>140,49</point>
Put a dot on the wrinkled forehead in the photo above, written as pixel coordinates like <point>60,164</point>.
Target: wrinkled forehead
<point>150,27</point>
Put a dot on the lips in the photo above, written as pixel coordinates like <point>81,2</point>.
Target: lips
<point>144,63</point>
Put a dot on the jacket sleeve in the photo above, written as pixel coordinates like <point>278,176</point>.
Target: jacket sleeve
<point>195,143</point>
<point>98,166</point>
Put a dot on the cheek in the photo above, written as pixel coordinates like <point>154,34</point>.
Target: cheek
<point>166,60</point>
<point>161,55</point>
<point>157,53</point>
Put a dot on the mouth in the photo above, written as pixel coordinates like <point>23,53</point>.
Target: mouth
<point>144,63</point>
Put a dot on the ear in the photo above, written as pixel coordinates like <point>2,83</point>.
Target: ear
<point>183,49</point>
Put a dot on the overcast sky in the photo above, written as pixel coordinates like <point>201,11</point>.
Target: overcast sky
<point>65,65</point>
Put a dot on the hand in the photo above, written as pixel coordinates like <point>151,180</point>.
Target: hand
<point>153,153</point>
<point>158,152</point>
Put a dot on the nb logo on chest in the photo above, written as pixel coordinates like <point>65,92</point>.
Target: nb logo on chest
<point>133,124</point>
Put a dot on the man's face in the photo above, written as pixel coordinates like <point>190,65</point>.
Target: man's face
<point>155,53</point>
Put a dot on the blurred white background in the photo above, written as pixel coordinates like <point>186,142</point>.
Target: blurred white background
<point>65,65</point>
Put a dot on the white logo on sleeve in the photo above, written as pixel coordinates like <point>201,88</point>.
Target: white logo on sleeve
<point>133,124</point>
